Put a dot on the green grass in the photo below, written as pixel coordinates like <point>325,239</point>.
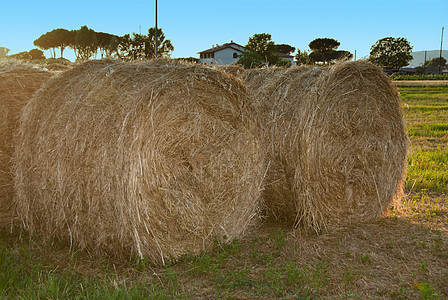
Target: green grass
<point>428,130</point>
<point>23,275</point>
<point>426,115</point>
<point>428,170</point>
<point>271,265</point>
<point>423,94</point>
<point>419,77</point>
<point>26,277</point>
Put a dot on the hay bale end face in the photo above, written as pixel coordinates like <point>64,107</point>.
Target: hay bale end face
<point>354,146</point>
<point>153,159</point>
<point>18,82</point>
<point>337,144</point>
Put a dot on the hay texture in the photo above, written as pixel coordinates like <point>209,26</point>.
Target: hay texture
<point>261,82</point>
<point>233,70</point>
<point>337,144</point>
<point>18,82</point>
<point>152,159</point>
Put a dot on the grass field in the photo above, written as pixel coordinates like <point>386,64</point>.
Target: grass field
<point>403,255</point>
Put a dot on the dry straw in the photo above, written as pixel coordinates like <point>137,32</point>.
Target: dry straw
<point>154,159</point>
<point>260,83</point>
<point>18,81</point>
<point>234,70</point>
<point>337,143</point>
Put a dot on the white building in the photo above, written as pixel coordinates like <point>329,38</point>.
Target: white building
<point>226,54</point>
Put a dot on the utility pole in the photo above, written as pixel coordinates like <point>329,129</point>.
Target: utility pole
<point>156,43</point>
<point>440,56</point>
<point>424,65</point>
<point>355,55</point>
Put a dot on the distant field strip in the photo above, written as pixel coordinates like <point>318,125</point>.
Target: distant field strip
<point>430,130</point>
<point>426,114</point>
<point>406,83</point>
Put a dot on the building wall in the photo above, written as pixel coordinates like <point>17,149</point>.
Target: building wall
<point>206,60</point>
<point>223,57</point>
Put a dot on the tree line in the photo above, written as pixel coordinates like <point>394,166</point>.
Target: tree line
<point>87,43</point>
<point>261,50</point>
<point>389,52</point>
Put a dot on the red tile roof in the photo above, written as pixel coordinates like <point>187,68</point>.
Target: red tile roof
<point>283,55</point>
<point>232,45</point>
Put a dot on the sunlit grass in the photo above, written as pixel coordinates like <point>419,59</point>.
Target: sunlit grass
<point>428,170</point>
<point>427,108</point>
<point>426,115</point>
<point>428,130</point>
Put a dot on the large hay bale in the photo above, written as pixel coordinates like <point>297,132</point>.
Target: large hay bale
<point>261,82</point>
<point>18,81</point>
<point>234,69</point>
<point>153,159</point>
<point>354,145</point>
<point>338,144</point>
<point>279,94</point>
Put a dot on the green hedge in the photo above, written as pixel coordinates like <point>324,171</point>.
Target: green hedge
<point>419,77</point>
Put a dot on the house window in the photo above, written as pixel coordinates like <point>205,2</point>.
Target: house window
<point>235,55</point>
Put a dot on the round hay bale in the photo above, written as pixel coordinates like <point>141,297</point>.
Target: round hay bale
<point>58,67</point>
<point>18,82</point>
<point>337,144</point>
<point>233,70</point>
<point>260,83</point>
<point>261,80</point>
<point>280,95</point>
<point>154,159</point>
<point>354,146</point>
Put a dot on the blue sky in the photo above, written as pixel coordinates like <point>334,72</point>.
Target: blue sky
<point>193,26</point>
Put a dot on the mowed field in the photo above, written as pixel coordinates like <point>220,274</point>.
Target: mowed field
<point>404,255</point>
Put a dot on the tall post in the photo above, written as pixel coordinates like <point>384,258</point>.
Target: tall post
<point>156,42</point>
<point>440,56</point>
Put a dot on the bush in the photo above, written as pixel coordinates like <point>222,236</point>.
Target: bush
<point>36,54</point>
<point>419,77</point>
